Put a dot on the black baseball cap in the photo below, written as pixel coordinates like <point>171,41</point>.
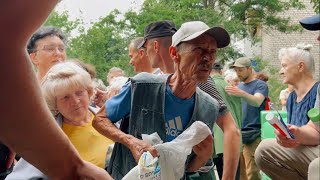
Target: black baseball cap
<point>158,29</point>
<point>311,23</point>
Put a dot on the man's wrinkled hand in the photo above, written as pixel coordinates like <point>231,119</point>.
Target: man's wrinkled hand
<point>137,147</point>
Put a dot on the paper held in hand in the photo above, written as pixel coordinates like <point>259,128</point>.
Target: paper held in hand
<point>279,124</point>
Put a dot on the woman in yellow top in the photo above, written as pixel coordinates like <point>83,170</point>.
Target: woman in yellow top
<point>67,89</point>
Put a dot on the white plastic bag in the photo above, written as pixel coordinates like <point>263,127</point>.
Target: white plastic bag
<point>171,163</point>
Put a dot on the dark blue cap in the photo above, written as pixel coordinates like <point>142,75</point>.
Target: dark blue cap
<point>311,23</point>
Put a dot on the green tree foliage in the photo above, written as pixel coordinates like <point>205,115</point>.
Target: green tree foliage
<point>238,17</point>
<point>104,45</point>
<point>179,12</point>
<point>316,5</point>
<point>62,21</point>
<point>254,13</point>
<point>275,86</point>
<point>242,19</point>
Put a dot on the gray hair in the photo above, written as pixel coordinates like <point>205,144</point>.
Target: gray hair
<point>231,75</point>
<point>62,78</point>
<point>117,82</point>
<point>136,42</point>
<point>300,52</point>
<point>116,69</point>
<point>98,83</point>
<point>116,85</point>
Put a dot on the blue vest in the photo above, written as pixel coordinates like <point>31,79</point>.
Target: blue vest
<point>147,117</point>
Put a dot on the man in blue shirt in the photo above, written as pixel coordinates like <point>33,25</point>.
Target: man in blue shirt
<point>254,93</point>
<point>168,104</point>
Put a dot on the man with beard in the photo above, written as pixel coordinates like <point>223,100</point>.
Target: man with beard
<point>254,93</point>
<point>168,104</point>
<point>156,42</point>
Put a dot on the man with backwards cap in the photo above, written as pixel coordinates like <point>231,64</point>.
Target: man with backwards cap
<point>157,40</point>
<point>168,104</point>
<point>297,158</point>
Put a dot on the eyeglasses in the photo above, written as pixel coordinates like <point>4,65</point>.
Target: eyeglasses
<point>52,49</point>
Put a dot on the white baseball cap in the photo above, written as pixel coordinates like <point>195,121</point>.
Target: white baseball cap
<point>193,29</point>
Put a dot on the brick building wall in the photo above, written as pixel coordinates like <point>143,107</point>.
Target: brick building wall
<point>273,41</point>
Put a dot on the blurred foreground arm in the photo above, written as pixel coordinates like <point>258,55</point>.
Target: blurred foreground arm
<point>26,124</point>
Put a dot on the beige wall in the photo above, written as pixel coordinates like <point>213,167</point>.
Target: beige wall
<point>273,41</point>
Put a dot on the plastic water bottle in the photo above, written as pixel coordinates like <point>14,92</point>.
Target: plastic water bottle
<point>314,115</point>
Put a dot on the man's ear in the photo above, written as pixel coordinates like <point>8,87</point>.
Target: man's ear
<point>174,54</point>
<point>156,46</point>
<point>33,58</point>
<point>250,69</point>
<point>141,52</point>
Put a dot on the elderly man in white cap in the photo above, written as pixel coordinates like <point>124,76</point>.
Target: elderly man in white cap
<point>168,104</point>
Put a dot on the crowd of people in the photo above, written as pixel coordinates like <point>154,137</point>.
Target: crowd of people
<point>75,127</point>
